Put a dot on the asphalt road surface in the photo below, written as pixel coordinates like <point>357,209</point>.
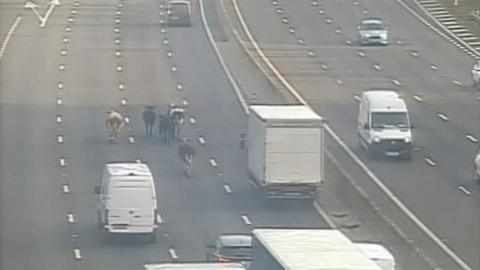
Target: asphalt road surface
<point>57,83</point>
<point>430,73</point>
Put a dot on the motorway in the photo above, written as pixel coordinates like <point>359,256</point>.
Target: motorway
<point>432,75</point>
<point>57,83</point>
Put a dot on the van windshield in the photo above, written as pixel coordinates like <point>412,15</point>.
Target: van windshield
<point>389,120</point>
<point>179,9</point>
<point>130,196</point>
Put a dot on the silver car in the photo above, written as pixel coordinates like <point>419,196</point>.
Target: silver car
<point>372,31</point>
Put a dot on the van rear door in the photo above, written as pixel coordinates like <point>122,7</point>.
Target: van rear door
<point>132,206</point>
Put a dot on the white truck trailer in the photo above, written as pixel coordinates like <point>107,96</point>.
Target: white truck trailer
<point>285,150</point>
<point>306,249</point>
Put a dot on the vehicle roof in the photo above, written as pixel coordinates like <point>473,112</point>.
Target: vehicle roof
<point>194,266</point>
<point>375,251</point>
<point>180,2</point>
<point>313,249</point>
<point>384,100</point>
<point>128,169</point>
<point>372,20</point>
<point>285,112</point>
<point>235,240</point>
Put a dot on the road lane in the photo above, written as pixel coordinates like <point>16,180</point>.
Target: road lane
<point>337,103</point>
<point>34,232</point>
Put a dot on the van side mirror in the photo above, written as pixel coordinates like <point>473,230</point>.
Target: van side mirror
<point>97,190</point>
<point>365,126</point>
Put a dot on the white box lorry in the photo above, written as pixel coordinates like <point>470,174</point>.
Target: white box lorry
<point>285,150</point>
<point>306,249</point>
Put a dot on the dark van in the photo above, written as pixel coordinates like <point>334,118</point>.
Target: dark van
<point>178,13</point>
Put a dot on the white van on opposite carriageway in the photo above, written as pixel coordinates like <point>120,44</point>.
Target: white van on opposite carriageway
<point>127,201</point>
<point>384,126</point>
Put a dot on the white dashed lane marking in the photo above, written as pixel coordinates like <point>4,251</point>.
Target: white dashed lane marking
<point>246,220</point>
<point>65,189</point>
<point>77,254</point>
<point>471,138</point>
<point>464,190</point>
<point>430,162</point>
<point>442,116</point>
<point>213,162</point>
<point>227,188</point>
<point>173,253</point>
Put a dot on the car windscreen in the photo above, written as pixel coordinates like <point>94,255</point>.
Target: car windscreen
<point>372,26</point>
<point>179,8</point>
<point>241,252</point>
<point>389,120</point>
<point>130,196</point>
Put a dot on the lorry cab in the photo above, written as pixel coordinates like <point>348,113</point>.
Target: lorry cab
<point>383,125</point>
<point>178,13</point>
<point>127,201</point>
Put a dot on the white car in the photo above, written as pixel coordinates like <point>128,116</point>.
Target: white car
<point>477,167</point>
<point>372,31</point>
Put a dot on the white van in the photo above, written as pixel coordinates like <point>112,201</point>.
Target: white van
<point>384,124</point>
<point>178,13</point>
<point>127,202</point>
<point>477,166</point>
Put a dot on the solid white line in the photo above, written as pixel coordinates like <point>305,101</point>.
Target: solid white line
<point>246,220</point>
<point>230,77</point>
<point>159,219</point>
<point>173,254</point>
<point>471,138</point>
<point>377,181</point>
<point>466,191</point>
<point>324,215</point>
